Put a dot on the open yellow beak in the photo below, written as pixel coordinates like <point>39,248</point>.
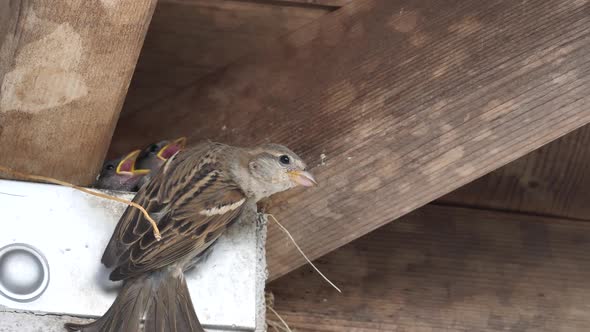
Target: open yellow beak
<point>127,165</point>
<point>170,149</point>
<point>303,178</point>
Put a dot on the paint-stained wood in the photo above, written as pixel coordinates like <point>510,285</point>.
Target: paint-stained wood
<point>64,71</point>
<point>553,180</point>
<point>448,269</point>
<point>393,103</point>
<point>192,38</point>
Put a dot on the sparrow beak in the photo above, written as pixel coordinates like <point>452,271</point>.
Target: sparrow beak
<point>127,165</point>
<point>303,178</point>
<point>170,149</point>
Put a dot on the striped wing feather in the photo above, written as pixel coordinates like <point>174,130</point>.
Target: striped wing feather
<point>192,199</point>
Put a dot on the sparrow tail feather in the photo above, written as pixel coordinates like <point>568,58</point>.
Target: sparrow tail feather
<point>159,302</point>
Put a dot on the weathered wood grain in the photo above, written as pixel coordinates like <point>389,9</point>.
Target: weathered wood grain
<point>448,269</point>
<point>553,180</point>
<point>192,38</point>
<point>404,101</point>
<point>333,3</point>
<point>64,71</point>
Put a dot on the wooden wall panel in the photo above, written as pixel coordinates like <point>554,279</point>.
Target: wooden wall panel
<point>64,71</point>
<point>448,269</point>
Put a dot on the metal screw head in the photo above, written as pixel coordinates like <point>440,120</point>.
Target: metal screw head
<point>24,272</point>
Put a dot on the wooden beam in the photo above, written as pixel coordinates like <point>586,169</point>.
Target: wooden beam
<point>325,3</point>
<point>64,72</point>
<point>447,269</point>
<point>393,103</point>
<point>331,3</point>
<point>553,180</point>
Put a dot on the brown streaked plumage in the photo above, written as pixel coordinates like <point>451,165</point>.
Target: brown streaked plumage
<point>194,197</point>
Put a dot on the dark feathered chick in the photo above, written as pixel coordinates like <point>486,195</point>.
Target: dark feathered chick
<point>194,197</point>
<point>155,155</point>
<point>121,174</point>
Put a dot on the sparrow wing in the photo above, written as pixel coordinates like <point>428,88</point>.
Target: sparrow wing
<point>193,201</point>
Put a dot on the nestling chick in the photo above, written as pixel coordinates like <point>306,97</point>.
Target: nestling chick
<point>194,197</point>
<point>121,174</point>
<point>155,155</point>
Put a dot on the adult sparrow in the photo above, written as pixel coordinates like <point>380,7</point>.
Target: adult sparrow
<point>194,197</point>
<point>121,174</point>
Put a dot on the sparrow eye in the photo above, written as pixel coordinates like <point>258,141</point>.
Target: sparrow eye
<point>110,167</point>
<point>285,160</point>
<point>153,148</point>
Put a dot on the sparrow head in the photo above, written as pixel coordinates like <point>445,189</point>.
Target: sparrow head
<point>121,173</point>
<point>153,156</point>
<point>274,168</point>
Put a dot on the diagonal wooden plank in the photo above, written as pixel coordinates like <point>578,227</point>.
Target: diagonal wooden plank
<point>405,102</point>
<point>553,180</point>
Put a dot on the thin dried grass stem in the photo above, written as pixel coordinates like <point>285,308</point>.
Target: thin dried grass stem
<point>277,326</point>
<point>87,191</point>
<point>302,253</point>
<point>287,328</point>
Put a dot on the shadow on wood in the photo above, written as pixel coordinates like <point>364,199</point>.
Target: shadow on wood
<point>189,39</point>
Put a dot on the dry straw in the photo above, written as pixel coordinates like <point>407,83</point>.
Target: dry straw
<point>281,326</point>
<point>87,191</point>
<point>302,253</point>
